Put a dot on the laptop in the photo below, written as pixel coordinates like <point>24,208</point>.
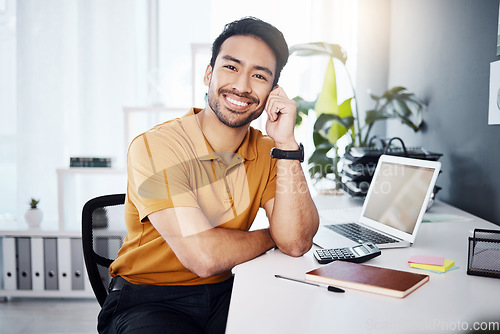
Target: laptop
<point>392,210</point>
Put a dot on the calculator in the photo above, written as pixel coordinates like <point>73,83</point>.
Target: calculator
<point>359,253</point>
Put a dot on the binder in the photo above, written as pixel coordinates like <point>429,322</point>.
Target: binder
<point>50,263</point>
<point>23,251</point>
<point>9,263</point>
<point>64,263</point>
<point>37,263</point>
<point>77,266</point>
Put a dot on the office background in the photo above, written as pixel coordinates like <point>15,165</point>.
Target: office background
<point>442,51</point>
<point>67,69</point>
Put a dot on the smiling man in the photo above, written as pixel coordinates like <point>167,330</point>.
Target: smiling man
<point>195,185</point>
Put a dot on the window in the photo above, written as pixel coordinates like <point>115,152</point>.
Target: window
<point>67,69</point>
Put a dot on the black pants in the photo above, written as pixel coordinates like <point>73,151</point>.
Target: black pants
<point>166,309</point>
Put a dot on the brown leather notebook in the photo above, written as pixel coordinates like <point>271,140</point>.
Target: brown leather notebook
<point>389,282</point>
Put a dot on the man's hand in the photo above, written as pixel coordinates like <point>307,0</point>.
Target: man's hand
<point>281,113</point>
<point>293,218</point>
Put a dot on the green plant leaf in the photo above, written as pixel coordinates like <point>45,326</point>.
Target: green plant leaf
<point>336,131</point>
<point>335,126</point>
<point>303,108</point>
<point>321,164</point>
<point>33,203</point>
<point>397,102</point>
<point>332,127</point>
<point>401,108</point>
<point>303,105</point>
<point>327,99</point>
<point>336,120</point>
<point>319,48</point>
<point>324,121</point>
<point>375,115</point>
<point>409,112</point>
<point>318,139</point>
<point>416,100</point>
<point>345,112</point>
<point>298,119</point>
<point>394,91</point>
<point>407,121</point>
<point>374,97</point>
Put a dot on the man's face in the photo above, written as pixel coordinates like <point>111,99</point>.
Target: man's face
<point>241,80</point>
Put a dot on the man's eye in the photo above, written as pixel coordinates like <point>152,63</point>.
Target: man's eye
<point>261,77</point>
<point>230,67</point>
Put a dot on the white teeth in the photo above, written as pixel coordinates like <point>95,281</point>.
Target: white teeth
<point>238,103</point>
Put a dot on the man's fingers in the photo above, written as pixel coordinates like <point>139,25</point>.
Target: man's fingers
<point>272,110</point>
<point>276,105</point>
<point>278,102</point>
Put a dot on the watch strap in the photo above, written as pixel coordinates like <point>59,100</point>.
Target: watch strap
<point>289,155</point>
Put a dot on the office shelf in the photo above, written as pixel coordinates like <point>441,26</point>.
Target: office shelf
<point>49,263</point>
<point>38,263</point>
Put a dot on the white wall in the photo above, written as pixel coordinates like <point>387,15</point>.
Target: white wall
<point>67,68</point>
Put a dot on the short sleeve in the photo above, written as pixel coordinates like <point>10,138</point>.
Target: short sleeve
<point>157,179</point>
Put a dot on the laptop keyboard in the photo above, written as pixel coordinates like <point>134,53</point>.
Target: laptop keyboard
<point>360,233</point>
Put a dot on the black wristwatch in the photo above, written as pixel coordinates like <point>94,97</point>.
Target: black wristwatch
<point>290,155</point>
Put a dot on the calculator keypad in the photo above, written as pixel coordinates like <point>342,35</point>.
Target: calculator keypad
<point>335,254</point>
<point>347,253</point>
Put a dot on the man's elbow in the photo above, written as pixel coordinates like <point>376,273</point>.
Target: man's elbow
<point>297,248</point>
<point>203,267</point>
<point>204,272</point>
<point>298,244</point>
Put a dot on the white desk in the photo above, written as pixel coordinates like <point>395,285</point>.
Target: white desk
<point>449,302</point>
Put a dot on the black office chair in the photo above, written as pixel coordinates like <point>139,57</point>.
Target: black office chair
<point>103,230</point>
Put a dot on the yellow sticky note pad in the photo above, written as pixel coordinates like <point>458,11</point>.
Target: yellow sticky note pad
<point>446,265</point>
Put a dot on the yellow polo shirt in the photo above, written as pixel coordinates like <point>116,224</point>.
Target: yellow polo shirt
<point>173,165</point>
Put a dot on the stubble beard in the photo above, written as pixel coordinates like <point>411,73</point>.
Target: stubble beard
<point>232,122</point>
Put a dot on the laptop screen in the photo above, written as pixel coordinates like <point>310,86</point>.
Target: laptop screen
<point>398,194</point>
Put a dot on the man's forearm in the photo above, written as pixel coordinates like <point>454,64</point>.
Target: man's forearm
<point>212,250</point>
<point>294,219</point>
<point>227,248</point>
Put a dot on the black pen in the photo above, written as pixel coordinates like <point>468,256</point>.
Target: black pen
<point>328,287</point>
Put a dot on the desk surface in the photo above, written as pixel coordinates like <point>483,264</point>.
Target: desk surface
<point>449,302</point>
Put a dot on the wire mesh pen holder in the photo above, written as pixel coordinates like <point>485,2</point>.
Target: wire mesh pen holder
<point>484,253</point>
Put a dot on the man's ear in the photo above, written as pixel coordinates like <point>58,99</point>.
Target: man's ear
<point>208,75</point>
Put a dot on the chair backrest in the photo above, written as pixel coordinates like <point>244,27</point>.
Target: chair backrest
<point>103,230</point>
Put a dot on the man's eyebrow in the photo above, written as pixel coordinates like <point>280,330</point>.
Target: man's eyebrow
<point>265,69</point>
<point>257,67</point>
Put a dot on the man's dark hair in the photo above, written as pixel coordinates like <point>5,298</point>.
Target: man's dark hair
<point>251,26</point>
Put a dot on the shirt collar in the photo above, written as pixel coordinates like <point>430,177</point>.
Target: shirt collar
<point>246,149</point>
<point>204,150</point>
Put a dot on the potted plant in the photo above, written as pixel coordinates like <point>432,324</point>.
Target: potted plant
<point>34,215</point>
<point>336,120</point>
